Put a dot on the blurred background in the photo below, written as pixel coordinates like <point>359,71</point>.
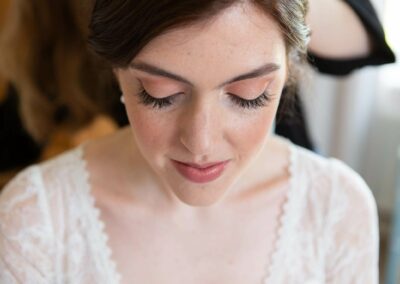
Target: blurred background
<point>354,118</point>
<point>357,119</point>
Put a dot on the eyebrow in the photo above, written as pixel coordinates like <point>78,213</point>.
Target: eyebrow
<point>154,70</point>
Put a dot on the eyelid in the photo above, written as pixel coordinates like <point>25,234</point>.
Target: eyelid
<point>261,101</point>
<point>246,99</point>
<point>142,88</point>
<point>148,100</point>
<point>159,103</point>
<point>251,87</point>
<point>160,87</point>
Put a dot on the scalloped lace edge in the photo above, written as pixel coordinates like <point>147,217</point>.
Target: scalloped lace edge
<point>103,238</point>
<point>284,218</point>
<point>283,227</point>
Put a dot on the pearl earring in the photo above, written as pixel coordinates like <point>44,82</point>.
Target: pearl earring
<point>122,99</point>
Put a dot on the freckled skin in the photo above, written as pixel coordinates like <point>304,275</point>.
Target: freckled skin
<point>203,125</point>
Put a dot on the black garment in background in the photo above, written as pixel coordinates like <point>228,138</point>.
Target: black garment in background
<point>17,147</point>
<point>294,127</point>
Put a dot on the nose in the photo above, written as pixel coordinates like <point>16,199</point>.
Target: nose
<point>199,129</point>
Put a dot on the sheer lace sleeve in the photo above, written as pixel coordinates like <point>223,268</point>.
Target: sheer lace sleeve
<point>352,234</point>
<point>26,233</point>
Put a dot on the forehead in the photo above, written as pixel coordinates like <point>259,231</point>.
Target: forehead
<point>240,38</point>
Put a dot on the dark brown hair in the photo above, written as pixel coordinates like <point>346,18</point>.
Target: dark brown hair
<point>119,29</point>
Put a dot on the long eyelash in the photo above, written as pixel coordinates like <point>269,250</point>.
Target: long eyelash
<point>148,100</point>
<point>260,101</point>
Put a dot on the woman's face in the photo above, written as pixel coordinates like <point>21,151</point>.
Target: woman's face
<point>201,100</point>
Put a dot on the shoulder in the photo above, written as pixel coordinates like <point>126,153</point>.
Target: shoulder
<point>351,197</point>
<point>30,214</point>
<point>333,183</point>
<point>347,181</point>
<point>337,173</point>
<point>36,178</point>
<point>26,232</point>
<point>34,196</point>
<point>22,189</point>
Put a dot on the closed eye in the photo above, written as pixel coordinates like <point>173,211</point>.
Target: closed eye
<point>148,100</point>
<point>261,101</point>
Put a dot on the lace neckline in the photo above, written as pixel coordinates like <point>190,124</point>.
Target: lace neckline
<point>287,217</point>
<point>285,220</point>
<point>102,238</point>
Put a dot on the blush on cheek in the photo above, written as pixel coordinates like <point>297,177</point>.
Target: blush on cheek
<point>146,130</point>
<point>250,134</point>
<point>151,133</point>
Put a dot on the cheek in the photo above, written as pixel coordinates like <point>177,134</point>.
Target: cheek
<point>152,133</point>
<point>249,134</point>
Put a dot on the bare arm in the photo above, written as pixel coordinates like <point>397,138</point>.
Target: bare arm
<point>337,32</point>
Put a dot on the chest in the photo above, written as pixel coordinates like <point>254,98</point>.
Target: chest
<point>235,248</point>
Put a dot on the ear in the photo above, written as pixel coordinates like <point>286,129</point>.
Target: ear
<point>116,71</point>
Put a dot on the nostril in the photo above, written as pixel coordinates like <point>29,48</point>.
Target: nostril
<point>197,132</point>
<point>196,145</point>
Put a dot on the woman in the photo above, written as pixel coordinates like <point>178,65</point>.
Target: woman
<point>43,105</point>
<point>195,189</point>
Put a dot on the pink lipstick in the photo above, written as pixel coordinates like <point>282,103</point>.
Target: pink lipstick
<point>200,173</point>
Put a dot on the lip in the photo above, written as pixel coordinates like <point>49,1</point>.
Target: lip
<point>200,173</point>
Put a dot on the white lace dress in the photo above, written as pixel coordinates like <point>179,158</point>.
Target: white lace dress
<point>50,230</point>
